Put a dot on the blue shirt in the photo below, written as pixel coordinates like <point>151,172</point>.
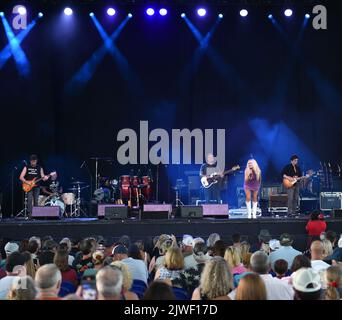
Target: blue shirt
<point>137,269</point>
<point>286,253</point>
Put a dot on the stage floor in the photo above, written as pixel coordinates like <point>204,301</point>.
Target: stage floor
<point>141,229</point>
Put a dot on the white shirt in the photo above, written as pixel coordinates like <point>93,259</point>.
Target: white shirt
<point>286,253</point>
<point>190,262</point>
<point>319,265</point>
<point>70,260</point>
<point>137,269</point>
<point>5,285</point>
<point>275,289</point>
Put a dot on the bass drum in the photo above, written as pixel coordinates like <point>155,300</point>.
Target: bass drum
<point>69,198</point>
<point>56,203</point>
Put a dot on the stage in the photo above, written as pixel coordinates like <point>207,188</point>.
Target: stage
<point>141,229</point>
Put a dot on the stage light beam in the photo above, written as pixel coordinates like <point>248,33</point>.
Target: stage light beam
<point>68,11</point>
<point>243,13</point>
<point>201,12</point>
<point>111,12</point>
<point>288,12</point>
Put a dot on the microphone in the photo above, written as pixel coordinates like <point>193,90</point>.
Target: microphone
<point>83,163</point>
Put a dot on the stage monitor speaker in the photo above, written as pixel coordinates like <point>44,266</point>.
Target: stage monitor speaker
<point>194,212</point>
<point>102,207</point>
<point>337,214</point>
<point>330,200</point>
<point>50,212</point>
<point>156,211</point>
<point>278,201</point>
<point>215,210</point>
<point>117,212</point>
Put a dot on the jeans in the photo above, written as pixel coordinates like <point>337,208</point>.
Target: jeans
<point>293,198</point>
<point>32,199</point>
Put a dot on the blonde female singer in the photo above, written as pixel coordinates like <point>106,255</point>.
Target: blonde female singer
<point>252,186</point>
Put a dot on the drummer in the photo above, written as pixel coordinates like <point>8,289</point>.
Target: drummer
<point>52,186</point>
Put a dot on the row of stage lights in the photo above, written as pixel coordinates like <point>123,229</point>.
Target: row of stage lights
<point>201,12</point>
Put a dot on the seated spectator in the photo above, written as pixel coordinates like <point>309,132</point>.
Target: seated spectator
<point>38,240</point>
<point>280,268</point>
<point>75,243</point>
<point>11,247</point>
<point>84,260</point>
<point>232,256</point>
<point>173,266</point>
<point>317,254</point>
<point>33,248</point>
<point>327,249</point>
<point>336,256</point>
<point>332,237</point>
<point>276,289</point>
<point>216,281</point>
<point>189,260</point>
<point>61,261</point>
<point>286,251</point>
<point>333,282</point>
<point>315,226</point>
<point>307,284</point>
<point>158,262</point>
<point>136,267</point>
<point>244,249</point>
<point>236,239</point>
<point>218,249</point>
<point>48,252</point>
<point>299,262</point>
<point>159,290</point>
<point>29,265</point>
<point>67,243</point>
<point>246,261</point>
<point>264,238</point>
<point>109,284</point>
<point>48,282</point>
<point>251,287</point>
<point>143,254</point>
<point>14,270</point>
<point>23,289</point>
<point>98,259</point>
<point>211,242</point>
<point>127,280</point>
<point>274,245</point>
<point>23,245</point>
<point>186,245</point>
<point>124,240</point>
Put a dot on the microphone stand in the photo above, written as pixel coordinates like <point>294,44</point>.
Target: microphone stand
<point>85,165</point>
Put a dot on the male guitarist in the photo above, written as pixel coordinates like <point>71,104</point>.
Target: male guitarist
<point>28,174</point>
<point>213,193</point>
<point>291,173</point>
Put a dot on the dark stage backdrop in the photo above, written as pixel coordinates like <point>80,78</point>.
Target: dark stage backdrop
<point>275,92</point>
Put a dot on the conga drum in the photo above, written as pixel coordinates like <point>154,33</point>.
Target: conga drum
<point>125,183</point>
<point>147,190</point>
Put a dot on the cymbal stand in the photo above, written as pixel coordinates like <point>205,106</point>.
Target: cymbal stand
<point>178,201</point>
<point>78,210</point>
<point>24,212</point>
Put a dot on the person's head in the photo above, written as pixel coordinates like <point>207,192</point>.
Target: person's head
<point>331,236</point>
<point>86,247</point>
<point>317,250</point>
<point>280,267</point>
<point>327,248</point>
<point>200,252</point>
<point>14,260</point>
<point>165,246</point>
<point>314,215</point>
<point>127,280</point>
<point>10,248</point>
<point>61,259</point>
<point>252,165</point>
<point>216,279</point>
<point>244,248</point>
<point>300,261</point>
<point>33,247</point>
<point>212,240</point>
<point>260,263</point>
<point>125,240</point>
<point>232,256</point>
<point>251,287</point>
<point>174,259</point>
<point>264,236</point>
<point>159,290</point>
<point>48,279</point>
<point>23,289</point>
<point>285,240</point>
<point>187,243</point>
<point>210,158</point>
<point>109,283</point>
<point>236,238</point>
<point>29,265</point>
<point>294,160</point>
<point>98,258</point>
<point>120,252</point>
<point>33,160</point>
<point>307,284</point>
<point>37,239</point>
<point>134,252</point>
<point>219,248</point>
<point>23,245</point>
<point>246,260</point>
<point>50,245</point>
<point>54,176</point>
<point>333,280</point>
<point>67,243</point>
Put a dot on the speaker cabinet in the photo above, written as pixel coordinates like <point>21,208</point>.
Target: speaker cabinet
<point>215,210</point>
<point>49,212</point>
<point>194,212</point>
<point>156,211</point>
<point>117,212</point>
<point>102,207</point>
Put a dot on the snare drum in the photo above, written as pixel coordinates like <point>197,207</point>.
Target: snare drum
<point>68,198</point>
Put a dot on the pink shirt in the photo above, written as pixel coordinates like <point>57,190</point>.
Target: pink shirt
<point>239,269</point>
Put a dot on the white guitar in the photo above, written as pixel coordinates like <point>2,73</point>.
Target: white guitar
<point>209,180</point>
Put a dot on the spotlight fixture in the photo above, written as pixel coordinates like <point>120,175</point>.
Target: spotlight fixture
<point>220,16</point>
<point>163,12</point>
<point>40,14</point>
<point>111,12</point>
<point>130,15</point>
<point>1,14</point>
<point>288,12</point>
<point>270,16</point>
<point>183,15</point>
<point>243,13</point>
<point>91,14</point>
<point>22,10</point>
<point>150,11</point>
<point>307,16</point>
<point>68,11</point>
<point>201,12</point>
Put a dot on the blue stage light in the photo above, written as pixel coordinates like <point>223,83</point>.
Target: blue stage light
<point>150,11</point>
<point>220,15</point>
<point>288,12</point>
<point>40,14</point>
<point>111,12</point>
<point>307,16</point>
<point>243,13</point>
<point>270,16</point>
<point>201,12</point>
<point>130,15</point>
<point>68,11</point>
<point>183,15</point>
<point>2,14</point>
<point>163,12</point>
<point>91,14</point>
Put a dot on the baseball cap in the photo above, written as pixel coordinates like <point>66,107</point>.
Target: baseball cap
<point>11,247</point>
<point>285,239</point>
<point>307,280</point>
<point>120,249</point>
<point>274,244</point>
<point>264,235</point>
<point>187,240</point>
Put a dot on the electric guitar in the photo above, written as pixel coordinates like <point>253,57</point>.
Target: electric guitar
<point>288,184</point>
<point>208,181</point>
<point>29,185</point>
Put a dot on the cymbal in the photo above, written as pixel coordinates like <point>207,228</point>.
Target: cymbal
<point>75,189</point>
<point>77,182</point>
<point>102,158</point>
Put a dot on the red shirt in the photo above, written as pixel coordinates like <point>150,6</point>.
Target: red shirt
<point>70,276</point>
<point>315,227</point>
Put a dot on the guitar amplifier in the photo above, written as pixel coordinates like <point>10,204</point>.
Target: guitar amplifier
<point>278,201</point>
<point>195,212</point>
<point>330,200</point>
